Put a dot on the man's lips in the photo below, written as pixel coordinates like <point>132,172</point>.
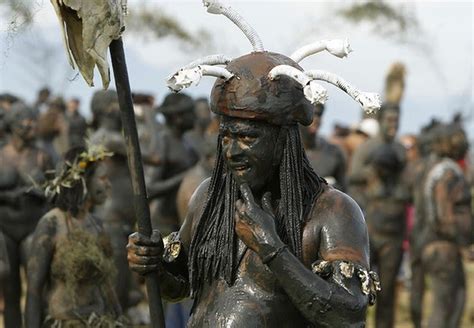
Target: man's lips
<point>239,166</point>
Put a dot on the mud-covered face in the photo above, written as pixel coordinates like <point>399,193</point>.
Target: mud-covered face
<point>459,145</point>
<point>252,150</point>
<point>389,124</point>
<point>184,120</point>
<point>25,128</point>
<point>98,185</point>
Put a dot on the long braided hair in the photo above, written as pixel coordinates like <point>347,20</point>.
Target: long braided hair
<point>213,250</point>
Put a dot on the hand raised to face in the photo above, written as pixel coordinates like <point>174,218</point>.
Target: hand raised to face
<point>255,225</point>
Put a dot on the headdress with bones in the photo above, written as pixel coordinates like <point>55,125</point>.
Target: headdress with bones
<point>265,85</point>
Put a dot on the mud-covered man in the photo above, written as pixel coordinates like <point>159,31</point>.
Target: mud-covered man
<point>377,166</point>
<point>21,204</point>
<point>266,241</point>
<point>443,225</point>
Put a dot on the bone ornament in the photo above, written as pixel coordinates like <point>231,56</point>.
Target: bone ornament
<point>192,76</point>
<point>315,93</point>
<point>218,8</point>
<point>369,101</point>
<point>338,47</point>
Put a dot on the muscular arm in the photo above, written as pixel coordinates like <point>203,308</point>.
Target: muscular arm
<point>38,269</point>
<point>173,275</point>
<point>161,187</point>
<point>453,207</point>
<point>337,233</point>
<point>336,300</point>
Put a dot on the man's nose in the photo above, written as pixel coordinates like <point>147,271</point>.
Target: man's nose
<point>233,149</point>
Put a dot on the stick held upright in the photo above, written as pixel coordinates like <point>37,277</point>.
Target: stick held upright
<point>140,200</point>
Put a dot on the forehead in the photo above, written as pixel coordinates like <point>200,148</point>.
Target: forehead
<point>236,125</point>
<point>100,169</point>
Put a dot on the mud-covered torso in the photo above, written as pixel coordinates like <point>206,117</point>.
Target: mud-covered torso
<point>177,156</point>
<point>444,174</point>
<point>19,171</point>
<point>118,208</point>
<point>81,271</point>
<point>254,300</point>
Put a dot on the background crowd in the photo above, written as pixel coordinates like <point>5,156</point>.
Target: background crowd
<point>389,176</point>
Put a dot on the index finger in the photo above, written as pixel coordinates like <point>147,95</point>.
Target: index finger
<point>246,194</point>
<point>139,239</point>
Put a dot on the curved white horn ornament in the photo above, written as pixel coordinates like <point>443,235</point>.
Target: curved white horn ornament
<point>313,91</point>
<point>192,76</point>
<point>369,101</point>
<point>338,47</point>
<point>218,8</point>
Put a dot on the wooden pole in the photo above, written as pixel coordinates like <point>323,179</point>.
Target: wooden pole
<point>140,198</point>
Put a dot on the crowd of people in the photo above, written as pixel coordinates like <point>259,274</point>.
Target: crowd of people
<point>66,210</point>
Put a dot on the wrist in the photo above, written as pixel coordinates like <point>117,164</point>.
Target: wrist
<point>266,259</point>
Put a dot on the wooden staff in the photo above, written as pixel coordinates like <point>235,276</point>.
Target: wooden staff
<point>140,198</point>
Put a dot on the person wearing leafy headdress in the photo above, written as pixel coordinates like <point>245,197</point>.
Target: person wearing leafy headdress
<point>70,261</point>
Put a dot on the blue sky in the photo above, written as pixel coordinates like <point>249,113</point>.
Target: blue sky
<point>438,82</point>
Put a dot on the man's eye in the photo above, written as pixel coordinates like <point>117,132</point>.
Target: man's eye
<point>248,139</point>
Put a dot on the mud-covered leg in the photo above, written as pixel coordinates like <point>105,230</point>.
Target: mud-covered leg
<point>118,239</point>
<point>444,267</point>
<point>12,289</point>
<point>459,294</point>
<point>389,261</point>
<point>417,292</point>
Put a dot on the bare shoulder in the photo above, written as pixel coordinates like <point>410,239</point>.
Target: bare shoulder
<point>195,209</point>
<point>49,222</point>
<point>341,226</point>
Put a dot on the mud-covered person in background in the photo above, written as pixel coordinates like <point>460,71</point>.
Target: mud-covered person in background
<point>41,104</point>
<point>21,204</point>
<point>327,159</point>
<point>377,169</point>
<point>70,268</point>
<point>176,157</point>
<point>117,212</point>
<point>76,123</point>
<point>6,102</point>
<point>443,228</point>
<point>196,136</point>
<point>52,129</point>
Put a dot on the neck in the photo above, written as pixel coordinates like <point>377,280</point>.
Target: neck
<point>84,210</point>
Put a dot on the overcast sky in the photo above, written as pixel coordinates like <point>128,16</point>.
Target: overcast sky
<point>438,82</point>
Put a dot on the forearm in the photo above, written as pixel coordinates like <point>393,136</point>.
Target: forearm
<point>160,188</point>
<point>320,301</point>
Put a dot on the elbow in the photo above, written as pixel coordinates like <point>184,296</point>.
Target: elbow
<point>341,311</point>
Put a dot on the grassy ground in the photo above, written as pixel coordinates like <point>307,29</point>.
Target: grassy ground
<point>403,314</point>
